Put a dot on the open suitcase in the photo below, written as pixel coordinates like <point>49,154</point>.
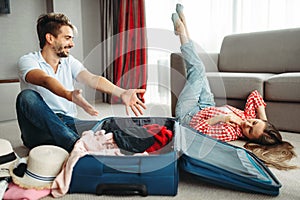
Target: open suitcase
<point>157,173</point>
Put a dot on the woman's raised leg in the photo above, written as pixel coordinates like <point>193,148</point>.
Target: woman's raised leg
<point>196,93</point>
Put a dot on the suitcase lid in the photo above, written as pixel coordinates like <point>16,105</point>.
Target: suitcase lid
<point>223,164</point>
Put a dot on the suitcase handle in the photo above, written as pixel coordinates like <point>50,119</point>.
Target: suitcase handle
<point>124,189</point>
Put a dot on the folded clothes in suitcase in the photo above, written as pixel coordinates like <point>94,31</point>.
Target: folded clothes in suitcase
<point>156,173</point>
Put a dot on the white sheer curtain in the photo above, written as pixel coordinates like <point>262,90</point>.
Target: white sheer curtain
<point>208,22</point>
<point>158,18</point>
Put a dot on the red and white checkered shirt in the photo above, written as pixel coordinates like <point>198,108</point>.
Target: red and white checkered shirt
<point>223,131</point>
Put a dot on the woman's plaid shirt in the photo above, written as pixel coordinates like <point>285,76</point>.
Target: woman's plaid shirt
<point>223,131</point>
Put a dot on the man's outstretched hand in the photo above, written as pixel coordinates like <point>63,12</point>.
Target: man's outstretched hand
<point>131,100</point>
<point>79,100</point>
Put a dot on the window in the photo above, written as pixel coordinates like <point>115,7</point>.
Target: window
<point>208,22</point>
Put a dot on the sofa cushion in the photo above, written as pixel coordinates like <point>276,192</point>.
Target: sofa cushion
<point>284,115</point>
<point>265,52</point>
<point>283,87</point>
<point>236,85</point>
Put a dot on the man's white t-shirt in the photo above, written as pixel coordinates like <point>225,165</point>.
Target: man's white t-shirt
<point>66,74</point>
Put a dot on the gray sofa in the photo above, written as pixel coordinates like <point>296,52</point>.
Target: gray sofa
<point>265,61</point>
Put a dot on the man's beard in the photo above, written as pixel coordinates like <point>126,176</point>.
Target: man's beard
<point>61,53</point>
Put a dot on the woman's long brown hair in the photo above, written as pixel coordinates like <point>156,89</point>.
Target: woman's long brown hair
<point>271,149</point>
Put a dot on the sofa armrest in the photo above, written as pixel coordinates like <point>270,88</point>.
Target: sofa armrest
<point>214,58</point>
<point>177,77</point>
<point>178,73</point>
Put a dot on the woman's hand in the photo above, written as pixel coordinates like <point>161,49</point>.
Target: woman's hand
<point>131,100</point>
<point>232,119</point>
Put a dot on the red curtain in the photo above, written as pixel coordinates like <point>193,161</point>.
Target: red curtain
<point>130,65</point>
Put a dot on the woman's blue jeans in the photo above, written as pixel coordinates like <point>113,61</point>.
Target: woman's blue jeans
<point>39,125</point>
<point>196,93</point>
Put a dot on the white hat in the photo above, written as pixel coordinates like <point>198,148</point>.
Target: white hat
<point>44,163</point>
<point>7,157</point>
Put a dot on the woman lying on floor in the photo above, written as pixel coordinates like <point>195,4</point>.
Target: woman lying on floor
<point>196,108</point>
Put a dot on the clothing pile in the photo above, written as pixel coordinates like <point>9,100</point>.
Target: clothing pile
<point>149,138</point>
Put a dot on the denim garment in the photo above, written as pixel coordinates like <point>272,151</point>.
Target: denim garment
<point>196,94</point>
<point>40,125</point>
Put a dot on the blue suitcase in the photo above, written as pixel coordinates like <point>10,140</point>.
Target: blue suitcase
<point>157,174</point>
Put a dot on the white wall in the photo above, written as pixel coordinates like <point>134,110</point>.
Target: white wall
<point>18,37</point>
<point>90,25</point>
<point>18,34</point>
<point>9,92</point>
<point>72,8</point>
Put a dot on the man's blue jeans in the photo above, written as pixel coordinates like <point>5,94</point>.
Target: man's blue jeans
<point>196,94</point>
<point>40,125</point>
